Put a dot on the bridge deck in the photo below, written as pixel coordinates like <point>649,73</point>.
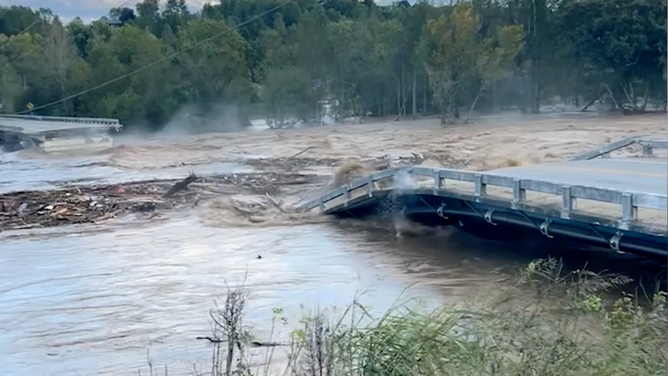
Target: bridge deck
<point>646,175</point>
<point>606,196</point>
<point>37,125</point>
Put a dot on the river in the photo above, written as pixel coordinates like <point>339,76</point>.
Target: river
<point>90,300</point>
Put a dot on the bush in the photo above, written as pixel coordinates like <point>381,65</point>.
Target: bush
<point>551,323</point>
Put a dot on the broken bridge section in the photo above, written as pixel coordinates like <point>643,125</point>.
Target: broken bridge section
<point>56,133</point>
<point>619,203</point>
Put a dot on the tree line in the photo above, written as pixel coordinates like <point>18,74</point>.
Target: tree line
<point>305,60</point>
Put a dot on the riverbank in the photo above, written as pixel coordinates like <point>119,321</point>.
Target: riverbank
<point>550,322</point>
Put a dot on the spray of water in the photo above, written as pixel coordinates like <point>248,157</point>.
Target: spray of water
<point>402,182</point>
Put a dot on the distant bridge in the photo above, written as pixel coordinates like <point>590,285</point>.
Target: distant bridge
<point>55,133</point>
<point>620,203</point>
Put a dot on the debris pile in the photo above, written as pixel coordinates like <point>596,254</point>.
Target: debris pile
<point>289,165</point>
<point>259,209</point>
<point>94,204</point>
<point>76,205</point>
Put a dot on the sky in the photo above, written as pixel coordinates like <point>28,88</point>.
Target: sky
<point>89,10</point>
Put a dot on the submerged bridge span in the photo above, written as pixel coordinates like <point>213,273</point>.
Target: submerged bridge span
<point>619,203</point>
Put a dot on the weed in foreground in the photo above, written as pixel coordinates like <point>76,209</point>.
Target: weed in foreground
<point>557,323</point>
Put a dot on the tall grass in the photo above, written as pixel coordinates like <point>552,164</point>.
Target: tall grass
<point>551,323</point>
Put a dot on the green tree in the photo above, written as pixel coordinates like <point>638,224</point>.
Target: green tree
<point>16,19</point>
<point>455,49</point>
<point>175,15</point>
<point>11,83</point>
<point>140,97</point>
<point>496,57</point>
<point>287,97</point>
<point>619,44</point>
<point>63,71</point>
<point>348,56</point>
<point>214,73</point>
<point>23,54</point>
<point>148,16</point>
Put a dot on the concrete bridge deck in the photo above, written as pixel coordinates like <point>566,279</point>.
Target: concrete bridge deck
<point>36,125</point>
<point>621,203</point>
<point>54,133</point>
<point>629,174</point>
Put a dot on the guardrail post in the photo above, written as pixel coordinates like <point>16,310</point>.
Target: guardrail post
<point>629,211</point>
<point>519,194</point>
<point>322,205</point>
<point>437,180</point>
<point>370,184</point>
<point>647,151</point>
<point>346,194</point>
<point>605,156</point>
<point>568,202</point>
<point>480,187</point>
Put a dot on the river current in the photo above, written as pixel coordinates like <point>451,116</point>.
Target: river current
<point>100,300</point>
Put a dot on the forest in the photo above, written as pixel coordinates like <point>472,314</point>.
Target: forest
<point>295,61</point>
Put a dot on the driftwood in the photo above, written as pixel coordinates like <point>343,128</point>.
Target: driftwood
<point>258,211</point>
<point>98,203</point>
<point>183,184</point>
<point>277,204</point>
<point>212,340</point>
<point>302,152</point>
<point>251,343</point>
<point>591,102</point>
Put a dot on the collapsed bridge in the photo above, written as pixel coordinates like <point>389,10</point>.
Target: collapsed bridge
<point>55,133</point>
<point>619,203</point>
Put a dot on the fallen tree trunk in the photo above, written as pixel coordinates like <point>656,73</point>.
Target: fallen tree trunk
<point>591,102</point>
<point>179,186</point>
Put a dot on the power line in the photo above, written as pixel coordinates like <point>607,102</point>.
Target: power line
<point>30,26</point>
<point>125,3</point>
<point>26,52</point>
<point>168,57</point>
<point>9,7</point>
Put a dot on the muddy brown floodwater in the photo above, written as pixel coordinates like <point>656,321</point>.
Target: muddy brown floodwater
<point>96,266</point>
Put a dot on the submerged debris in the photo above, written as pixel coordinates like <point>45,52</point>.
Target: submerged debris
<point>290,165</point>
<point>94,204</point>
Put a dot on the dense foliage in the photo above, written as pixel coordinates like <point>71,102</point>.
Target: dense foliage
<point>309,59</point>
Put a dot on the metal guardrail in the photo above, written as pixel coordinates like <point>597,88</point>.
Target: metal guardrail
<point>629,201</point>
<point>648,146</point>
<point>102,121</point>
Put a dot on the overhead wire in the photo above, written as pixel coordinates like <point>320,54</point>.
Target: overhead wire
<point>29,26</point>
<point>5,12</point>
<point>150,65</point>
<point>26,52</point>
